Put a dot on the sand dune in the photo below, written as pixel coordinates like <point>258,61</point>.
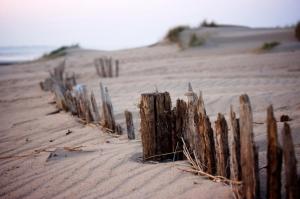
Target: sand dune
<point>225,68</point>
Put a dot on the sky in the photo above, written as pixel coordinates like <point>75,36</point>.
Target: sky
<point>118,24</point>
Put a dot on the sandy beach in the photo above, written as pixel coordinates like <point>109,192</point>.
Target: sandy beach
<point>228,65</point>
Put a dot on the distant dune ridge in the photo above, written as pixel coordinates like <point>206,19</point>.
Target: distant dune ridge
<point>225,66</point>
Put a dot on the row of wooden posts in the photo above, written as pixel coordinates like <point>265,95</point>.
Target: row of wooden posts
<point>163,127</point>
<point>74,98</point>
<point>107,67</point>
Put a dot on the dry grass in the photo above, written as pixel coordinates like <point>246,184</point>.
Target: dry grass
<point>196,167</point>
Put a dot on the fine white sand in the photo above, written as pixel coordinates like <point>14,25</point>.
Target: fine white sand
<point>227,66</point>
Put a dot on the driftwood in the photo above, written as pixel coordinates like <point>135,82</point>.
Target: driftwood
<point>292,183</point>
<point>129,125</point>
<point>249,156</point>
<point>222,148</point>
<point>235,159</point>
<point>274,156</point>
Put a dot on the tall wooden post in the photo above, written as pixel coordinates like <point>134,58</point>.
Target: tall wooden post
<point>249,156</point>
<point>274,156</point>
<point>235,158</point>
<point>206,136</point>
<point>292,183</point>
<point>222,149</point>
<point>208,154</point>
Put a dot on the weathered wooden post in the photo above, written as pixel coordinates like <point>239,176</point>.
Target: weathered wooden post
<point>292,180</point>
<point>222,148</point>
<point>107,108</point>
<point>117,68</point>
<point>208,154</point>
<point>103,71</point>
<point>192,135</point>
<point>235,158</point>
<point>156,131</point>
<point>274,157</point>
<point>249,156</point>
<point>206,139</point>
<point>129,125</point>
<point>59,96</point>
<point>94,109</point>
<point>179,114</point>
<point>109,65</point>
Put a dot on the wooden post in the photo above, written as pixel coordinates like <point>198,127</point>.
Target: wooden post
<point>148,125</point>
<point>179,114</point>
<point>274,157</point>
<point>235,158</point>
<point>110,72</point>
<point>249,163</point>
<point>192,134</point>
<point>208,157</point>
<point>222,149</point>
<point>102,63</point>
<point>94,109</point>
<point>155,111</point>
<point>129,125</point>
<point>108,116</point>
<point>292,180</point>
<point>59,97</point>
<point>117,68</point>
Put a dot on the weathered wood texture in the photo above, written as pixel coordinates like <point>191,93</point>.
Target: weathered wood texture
<point>249,162</point>
<point>179,114</point>
<point>235,159</point>
<point>192,136</point>
<point>222,148</point>
<point>156,125</point>
<point>94,109</point>
<point>208,158</point>
<point>292,185</point>
<point>108,119</point>
<point>274,157</point>
<point>129,125</point>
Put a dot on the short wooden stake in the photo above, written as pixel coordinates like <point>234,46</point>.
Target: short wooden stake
<point>129,125</point>
<point>222,148</point>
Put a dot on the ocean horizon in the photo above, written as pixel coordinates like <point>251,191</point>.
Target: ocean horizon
<point>13,54</point>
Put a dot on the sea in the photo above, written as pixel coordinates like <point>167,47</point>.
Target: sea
<point>15,54</point>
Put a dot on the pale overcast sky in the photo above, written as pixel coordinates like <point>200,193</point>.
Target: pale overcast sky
<point>115,24</point>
